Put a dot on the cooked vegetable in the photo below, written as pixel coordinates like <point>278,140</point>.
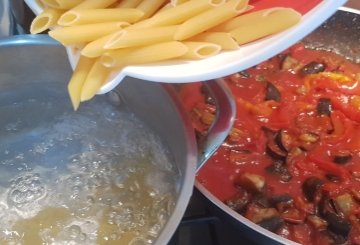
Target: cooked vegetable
<point>312,68</point>
<point>324,107</point>
<point>272,93</point>
<point>295,148</point>
<point>251,182</point>
<point>310,187</point>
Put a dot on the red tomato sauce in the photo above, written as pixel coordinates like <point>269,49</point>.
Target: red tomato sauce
<point>292,160</point>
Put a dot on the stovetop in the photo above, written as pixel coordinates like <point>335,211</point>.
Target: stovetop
<point>200,226</point>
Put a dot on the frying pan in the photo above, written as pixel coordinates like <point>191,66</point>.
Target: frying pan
<point>339,34</point>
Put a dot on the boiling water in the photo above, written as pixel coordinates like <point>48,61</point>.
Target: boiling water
<point>95,176</point>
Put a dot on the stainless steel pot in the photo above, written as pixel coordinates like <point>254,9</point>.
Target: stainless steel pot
<point>340,34</point>
<point>36,66</point>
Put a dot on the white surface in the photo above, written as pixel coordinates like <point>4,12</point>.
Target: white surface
<point>224,63</point>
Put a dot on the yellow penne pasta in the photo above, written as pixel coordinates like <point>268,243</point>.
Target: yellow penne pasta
<point>94,80</point>
<point>94,4</point>
<point>62,4</point>
<point>89,16</point>
<point>224,39</point>
<point>200,50</point>
<point>141,37</point>
<point>78,78</point>
<point>149,7</point>
<point>85,33</point>
<point>263,23</point>
<point>47,19</point>
<point>179,14</point>
<point>96,48</point>
<point>165,7</point>
<point>239,20</point>
<point>128,3</point>
<point>177,2</point>
<point>142,55</point>
<point>210,18</point>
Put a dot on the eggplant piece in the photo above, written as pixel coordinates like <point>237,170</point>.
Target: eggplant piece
<point>332,177</point>
<point>308,141</point>
<point>284,198</point>
<point>239,202</point>
<point>342,158</point>
<point>345,203</point>
<point>282,202</point>
<point>293,215</point>
<point>324,107</point>
<point>312,68</point>
<point>272,224</point>
<point>279,168</point>
<point>334,238</point>
<point>252,183</point>
<point>337,224</point>
<point>330,212</point>
<point>258,214</point>
<point>290,64</point>
<point>310,187</point>
<point>275,152</point>
<point>316,222</point>
<point>283,140</point>
<point>272,93</point>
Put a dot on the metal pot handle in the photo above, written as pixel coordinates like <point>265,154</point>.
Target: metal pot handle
<point>224,119</point>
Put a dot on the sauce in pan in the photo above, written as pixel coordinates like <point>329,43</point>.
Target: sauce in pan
<point>292,160</point>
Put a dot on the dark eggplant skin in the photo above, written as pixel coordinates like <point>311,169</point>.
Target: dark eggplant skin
<point>280,169</point>
<point>239,201</point>
<point>342,158</point>
<point>275,152</point>
<point>329,211</point>
<point>272,93</point>
<point>312,68</point>
<point>272,224</point>
<point>324,107</point>
<point>310,187</point>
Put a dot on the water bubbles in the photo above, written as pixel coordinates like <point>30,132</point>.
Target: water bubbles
<point>26,190</point>
<point>138,241</point>
<point>101,166</point>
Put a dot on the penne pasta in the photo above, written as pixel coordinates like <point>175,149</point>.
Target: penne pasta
<point>142,55</point>
<point>89,16</point>
<point>112,34</point>
<point>179,14</point>
<point>210,18</point>
<point>85,33</point>
<point>237,21</point>
<point>224,39</point>
<point>263,23</point>
<point>149,7</point>
<point>94,4</point>
<point>96,47</point>
<point>94,80</point>
<point>47,19</point>
<point>165,7</point>
<point>61,4</point>
<point>141,37</point>
<point>200,50</point>
<point>77,80</point>
<point>177,2</point>
<point>128,4</point>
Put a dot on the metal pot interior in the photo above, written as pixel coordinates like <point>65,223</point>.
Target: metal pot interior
<point>33,97</point>
<point>339,34</point>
